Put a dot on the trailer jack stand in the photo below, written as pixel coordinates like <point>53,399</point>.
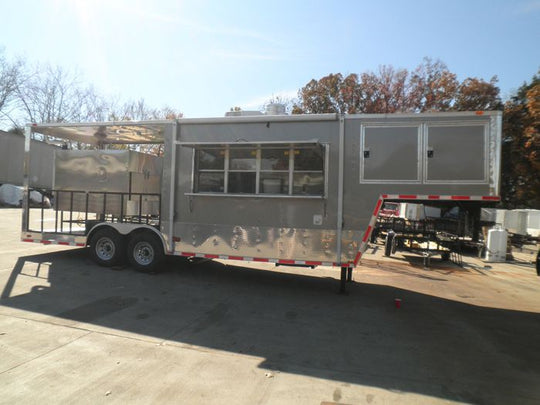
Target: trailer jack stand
<point>346,276</point>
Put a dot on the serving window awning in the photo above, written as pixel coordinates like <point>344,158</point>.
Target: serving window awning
<point>99,133</point>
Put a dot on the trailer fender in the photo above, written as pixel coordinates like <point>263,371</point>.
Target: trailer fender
<point>127,229</point>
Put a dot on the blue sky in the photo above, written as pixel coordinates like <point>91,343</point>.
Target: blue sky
<point>203,57</point>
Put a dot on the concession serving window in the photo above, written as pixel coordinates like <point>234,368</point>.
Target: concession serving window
<point>263,169</point>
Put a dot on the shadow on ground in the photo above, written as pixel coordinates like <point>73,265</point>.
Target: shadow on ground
<point>298,324</point>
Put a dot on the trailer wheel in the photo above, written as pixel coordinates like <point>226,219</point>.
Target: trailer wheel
<point>538,263</point>
<point>107,247</point>
<point>374,235</point>
<point>390,244</point>
<point>427,260</point>
<point>397,243</point>
<point>145,252</point>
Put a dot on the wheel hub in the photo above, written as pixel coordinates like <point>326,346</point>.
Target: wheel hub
<point>143,253</point>
<point>105,248</point>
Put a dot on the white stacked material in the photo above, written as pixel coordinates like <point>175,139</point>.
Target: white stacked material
<point>533,223</point>
<point>500,216</point>
<point>515,221</point>
<point>417,212</point>
<point>496,244</point>
<point>488,215</point>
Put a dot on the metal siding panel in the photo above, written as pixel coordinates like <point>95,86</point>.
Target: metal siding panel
<point>41,164</point>
<point>12,158</point>
<point>262,242</point>
<point>458,153</point>
<point>104,170</point>
<point>393,153</point>
<point>494,152</point>
<point>92,170</point>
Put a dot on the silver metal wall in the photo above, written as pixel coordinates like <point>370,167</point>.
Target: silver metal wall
<point>117,171</point>
<point>107,170</point>
<point>12,158</point>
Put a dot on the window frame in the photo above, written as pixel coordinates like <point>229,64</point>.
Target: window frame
<point>259,147</point>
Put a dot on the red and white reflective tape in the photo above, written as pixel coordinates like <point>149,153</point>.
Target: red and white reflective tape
<point>440,197</point>
<point>258,259</point>
<point>369,229</point>
<point>53,242</point>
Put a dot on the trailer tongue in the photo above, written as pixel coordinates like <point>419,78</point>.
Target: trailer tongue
<point>292,190</point>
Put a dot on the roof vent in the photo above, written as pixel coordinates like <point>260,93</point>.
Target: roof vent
<point>275,109</point>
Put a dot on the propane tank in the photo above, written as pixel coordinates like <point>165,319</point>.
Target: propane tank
<point>496,244</point>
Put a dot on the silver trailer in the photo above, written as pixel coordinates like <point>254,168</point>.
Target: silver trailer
<point>293,190</point>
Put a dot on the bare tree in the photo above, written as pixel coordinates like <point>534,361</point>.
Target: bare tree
<point>43,93</point>
<point>53,94</point>
<point>10,76</point>
<point>138,110</point>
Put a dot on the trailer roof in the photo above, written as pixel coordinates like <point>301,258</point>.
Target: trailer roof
<point>148,132</point>
<point>153,132</point>
<point>124,132</point>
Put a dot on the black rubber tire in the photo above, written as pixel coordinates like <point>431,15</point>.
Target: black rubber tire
<point>107,247</point>
<point>396,243</point>
<point>389,246</point>
<point>145,252</point>
<point>374,235</point>
<point>445,256</point>
<point>538,263</point>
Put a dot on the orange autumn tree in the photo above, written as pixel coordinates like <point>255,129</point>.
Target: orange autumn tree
<point>429,87</point>
<point>521,147</point>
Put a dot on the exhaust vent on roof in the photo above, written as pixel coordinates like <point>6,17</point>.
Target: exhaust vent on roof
<point>275,109</point>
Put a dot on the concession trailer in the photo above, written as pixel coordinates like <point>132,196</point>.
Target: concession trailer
<point>299,190</point>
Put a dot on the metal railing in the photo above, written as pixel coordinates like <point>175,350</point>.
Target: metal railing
<point>76,212</point>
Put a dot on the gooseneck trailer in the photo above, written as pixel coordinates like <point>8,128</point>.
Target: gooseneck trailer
<point>292,190</point>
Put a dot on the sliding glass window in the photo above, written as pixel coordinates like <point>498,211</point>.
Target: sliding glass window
<point>286,170</point>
